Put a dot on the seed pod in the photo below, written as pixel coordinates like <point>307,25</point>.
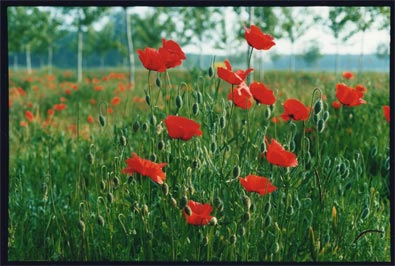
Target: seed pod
<point>318,106</point>
<point>188,210</point>
<point>232,239</point>
<point>179,101</point>
<point>236,171</point>
<point>110,197</point>
<point>165,189</point>
<point>81,225</point>
<point>325,116</point>
<point>157,81</point>
<point>122,140</point>
<point>90,158</point>
<point>321,125</point>
<point>195,109</point>
<point>210,71</point>
<point>100,220</point>
<point>247,201</point>
<point>222,122</point>
<point>102,120</point>
<point>136,126</point>
<point>148,99</point>
<point>145,127</point>
<point>161,145</point>
<point>213,221</point>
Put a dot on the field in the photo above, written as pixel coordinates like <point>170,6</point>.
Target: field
<point>71,200</point>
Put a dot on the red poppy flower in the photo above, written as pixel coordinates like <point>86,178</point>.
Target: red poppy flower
<point>361,88</point>
<point>146,168</point>
<point>228,75</point>
<point>29,116</point>
<point>275,120</point>
<point>386,111</point>
<point>92,101</point>
<point>110,110</point>
<point>59,107</point>
<point>254,183</point>
<point>336,104</point>
<point>90,119</point>
<point>348,75</point>
<point>116,100</point>
<point>200,213</point>
<point>257,39</point>
<point>277,155</point>
<point>182,128</point>
<point>349,96</point>
<point>99,88</point>
<point>171,53</point>
<point>241,96</point>
<point>51,112</point>
<point>294,109</point>
<point>151,59</point>
<point>23,124</point>
<point>262,94</point>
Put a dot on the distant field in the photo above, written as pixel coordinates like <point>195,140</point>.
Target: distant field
<point>69,199</point>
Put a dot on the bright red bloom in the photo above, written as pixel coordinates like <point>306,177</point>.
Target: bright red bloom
<point>90,119</point>
<point>228,75</point>
<point>241,96</point>
<point>146,168</point>
<point>23,124</point>
<point>200,213</point>
<point>262,94</point>
<point>51,112</point>
<point>29,116</point>
<point>349,96</point>
<point>348,75</point>
<point>336,104</point>
<point>151,59</point>
<point>116,100</point>
<point>294,109</point>
<point>59,107</point>
<point>386,111</point>
<point>254,183</point>
<point>182,128</point>
<point>171,53</point>
<point>99,88</point>
<point>277,155</point>
<point>275,120</point>
<point>257,39</point>
<point>110,110</point>
<point>361,88</point>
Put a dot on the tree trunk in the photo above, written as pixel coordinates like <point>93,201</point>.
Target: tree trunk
<point>250,61</point>
<point>28,59</point>
<point>130,47</point>
<point>101,61</point>
<point>292,58</point>
<point>50,55</point>
<point>360,61</point>
<point>79,66</point>
<point>336,57</point>
<point>15,61</point>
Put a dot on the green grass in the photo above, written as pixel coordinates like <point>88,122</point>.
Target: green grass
<point>64,206</point>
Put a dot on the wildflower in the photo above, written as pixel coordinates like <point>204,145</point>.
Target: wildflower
<point>336,104</point>
<point>29,116</point>
<point>92,101</point>
<point>258,184</point>
<point>386,111</point>
<point>151,59</point>
<point>23,123</point>
<point>262,94</point>
<point>276,120</point>
<point>116,100</point>
<point>59,107</point>
<point>99,88</point>
<point>110,110</point>
<point>241,96</point>
<point>348,75</point>
<point>171,53</point>
<point>234,78</point>
<point>62,99</point>
<point>277,155</point>
<point>294,109</point>
<point>146,168</point>
<point>349,96</point>
<point>200,213</point>
<point>257,39</point>
<point>361,88</point>
<point>90,119</point>
<point>182,128</point>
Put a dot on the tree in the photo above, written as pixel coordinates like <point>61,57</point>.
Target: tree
<point>311,54</point>
<point>129,41</point>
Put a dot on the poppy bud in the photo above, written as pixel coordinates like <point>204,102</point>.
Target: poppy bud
<point>178,101</point>
<point>267,207</point>
<point>161,145</point>
<point>276,247</point>
<point>325,116</point>
<point>267,113</point>
<point>318,106</point>
<point>148,99</point>
<point>165,189</point>
<point>150,235</point>
<point>232,239</point>
<point>334,217</point>
<point>213,221</point>
<point>210,71</point>
<point>236,171</point>
<point>222,122</point>
<point>122,140</point>
<point>292,145</point>
<point>205,241</point>
<point>183,201</point>
<point>213,147</point>
<point>44,189</point>
<point>188,210</point>
<point>153,157</point>
<point>321,125</point>
<point>110,197</point>
<point>102,120</point>
<point>217,202</point>
<point>102,185</point>
<point>152,120</point>
<point>173,202</point>
<point>290,210</point>
<point>268,221</point>
<point>136,126</point>
<point>145,127</point>
<point>116,181</point>
<point>315,118</point>
<point>199,97</point>
<point>145,209</point>
<point>195,164</point>
<point>100,220</point>
<point>365,212</point>
<point>373,151</point>
<point>246,217</point>
<point>157,81</point>
<point>195,109</point>
<point>247,201</point>
<point>81,225</point>
<point>242,230</point>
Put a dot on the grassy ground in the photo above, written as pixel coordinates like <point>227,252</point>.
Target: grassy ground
<point>69,201</point>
